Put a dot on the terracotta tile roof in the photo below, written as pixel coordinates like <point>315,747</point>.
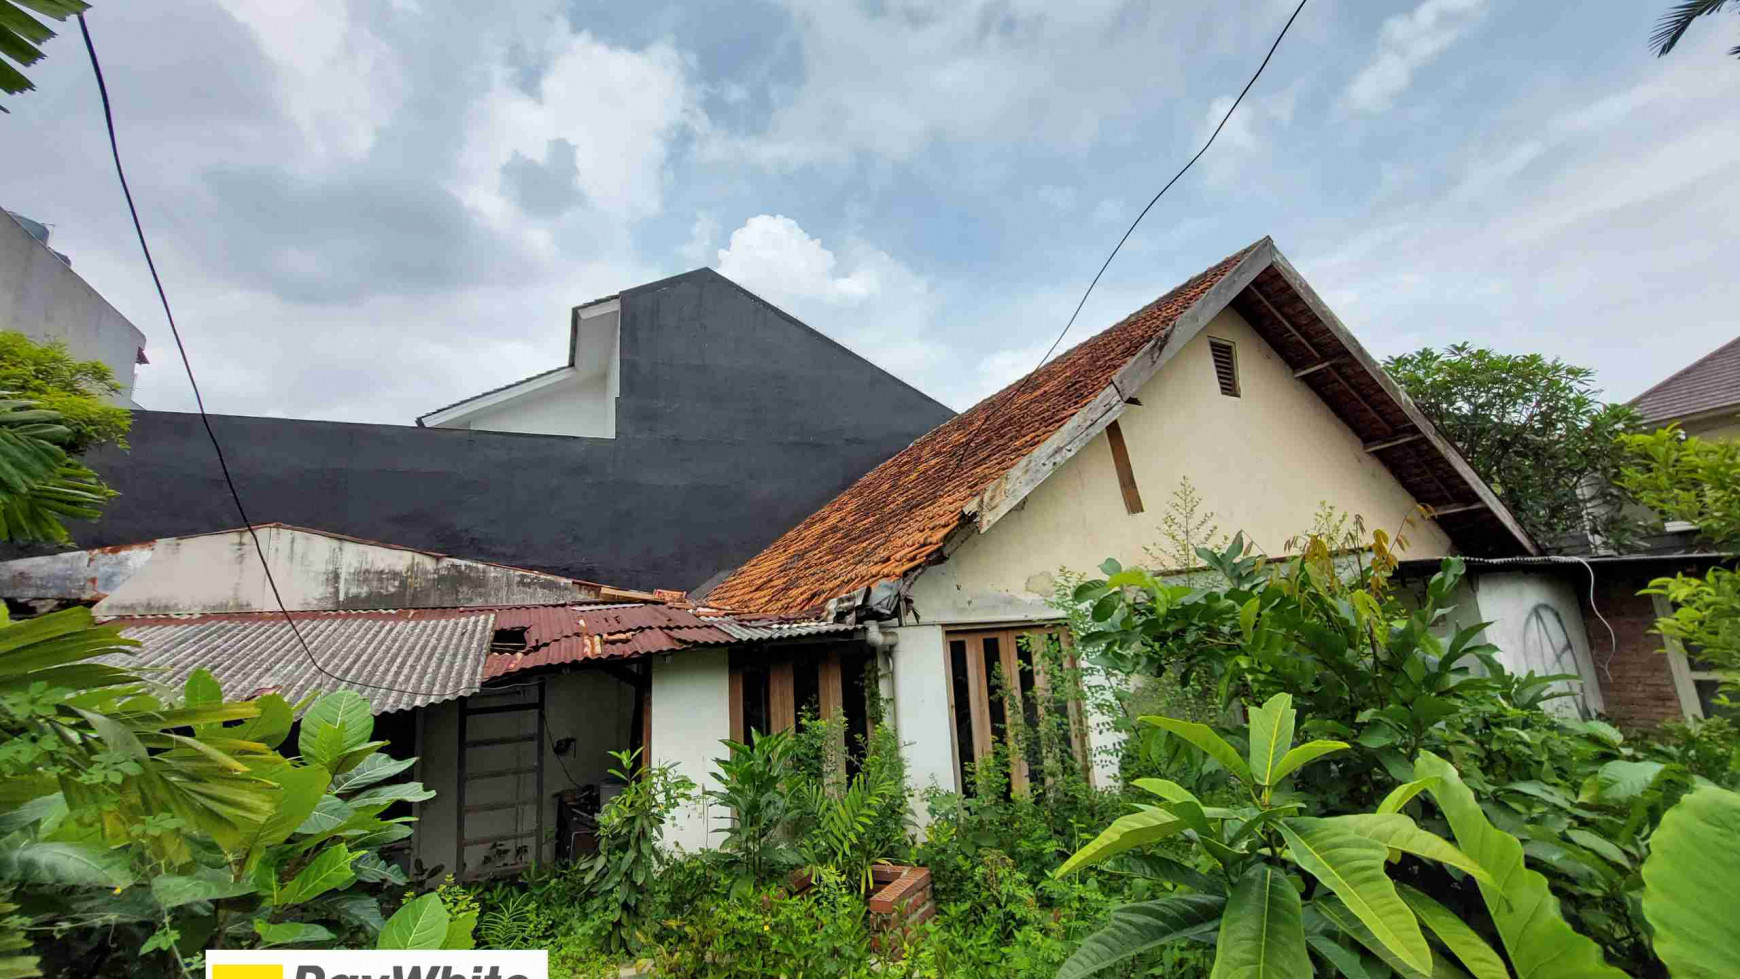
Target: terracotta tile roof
<point>896,518</point>
<point>1708,383</point>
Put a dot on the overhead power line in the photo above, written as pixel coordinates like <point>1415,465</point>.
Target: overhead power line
<point>199,401</point>
<point>1016,389</point>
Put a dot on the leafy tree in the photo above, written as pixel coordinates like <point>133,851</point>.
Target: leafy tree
<point>46,374</point>
<point>1532,427</point>
<point>20,34</point>
<point>1674,24</point>
<point>1683,477</point>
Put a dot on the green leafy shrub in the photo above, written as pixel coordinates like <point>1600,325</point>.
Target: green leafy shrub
<point>629,857</point>
<point>142,821</point>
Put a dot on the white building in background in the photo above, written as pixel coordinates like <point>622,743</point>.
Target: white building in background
<point>44,299</point>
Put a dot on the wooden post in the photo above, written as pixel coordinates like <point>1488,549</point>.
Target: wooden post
<point>781,697</point>
<point>735,708</point>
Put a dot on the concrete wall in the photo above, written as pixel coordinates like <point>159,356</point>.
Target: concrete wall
<point>1262,462</point>
<point>594,709</point>
<point>1537,624</point>
<point>43,298</point>
<point>735,422</point>
<point>581,406</point>
<point>690,716</point>
<point>223,573</point>
<point>921,709</point>
<point>1715,428</point>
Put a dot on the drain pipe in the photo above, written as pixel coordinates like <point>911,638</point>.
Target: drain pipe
<point>882,642</point>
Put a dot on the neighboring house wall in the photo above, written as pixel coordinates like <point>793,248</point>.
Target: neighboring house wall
<point>691,695</point>
<point>1537,624</point>
<point>1640,691</point>
<point>1262,462</point>
<point>569,405</point>
<point>734,423</point>
<point>1720,427</point>
<point>43,298</point>
<point>222,573</point>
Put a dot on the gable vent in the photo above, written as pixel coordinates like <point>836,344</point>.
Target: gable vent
<point>1226,365</point>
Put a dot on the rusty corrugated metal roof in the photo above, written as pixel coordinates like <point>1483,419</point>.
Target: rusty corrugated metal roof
<point>426,655</point>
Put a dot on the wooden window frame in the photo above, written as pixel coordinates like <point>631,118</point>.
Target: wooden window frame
<point>782,705</point>
<point>979,693</point>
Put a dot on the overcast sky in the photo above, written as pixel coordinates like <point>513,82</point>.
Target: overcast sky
<point>367,210</point>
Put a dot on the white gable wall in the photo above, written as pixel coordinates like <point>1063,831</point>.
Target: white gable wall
<point>580,406</point>
<point>1262,462</point>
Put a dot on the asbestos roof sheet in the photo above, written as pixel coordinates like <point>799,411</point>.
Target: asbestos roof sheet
<point>425,656</point>
<point>1709,383</point>
<point>407,658</point>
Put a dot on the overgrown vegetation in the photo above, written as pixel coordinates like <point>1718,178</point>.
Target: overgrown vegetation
<point>1533,427</point>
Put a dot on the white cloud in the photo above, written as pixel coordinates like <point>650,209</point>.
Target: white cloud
<point>865,298</point>
<point>1405,44</point>
<point>702,234</point>
<point>619,107</point>
<point>340,82</point>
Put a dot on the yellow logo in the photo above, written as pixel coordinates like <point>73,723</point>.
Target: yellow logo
<point>247,971</point>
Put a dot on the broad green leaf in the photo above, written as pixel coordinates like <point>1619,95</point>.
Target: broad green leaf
<point>1353,866</point>
<point>459,929</point>
<point>1691,885</point>
<point>45,809</point>
<point>338,723</point>
<point>1205,740</point>
<point>385,795</point>
<point>72,864</point>
<point>272,725</point>
<point>172,891</point>
<point>1606,848</point>
<point>1125,833</point>
<point>371,869</point>
<point>329,814</point>
<point>1538,941</point>
<point>422,924</point>
<point>1262,931</point>
<point>1479,958</point>
<point>1305,754</point>
<point>1166,789</point>
<point>1346,961</point>
<point>1135,928</point>
<point>1330,908</point>
<point>374,768</point>
<point>300,791</point>
<point>1619,782</point>
<point>1402,794</point>
<point>1156,867</point>
<point>1398,832</point>
<point>290,933</point>
<point>1271,735</point>
<point>329,870</point>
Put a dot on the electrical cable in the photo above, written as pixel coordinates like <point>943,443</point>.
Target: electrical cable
<point>199,401</point>
<point>1016,389</point>
<point>1612,636</point>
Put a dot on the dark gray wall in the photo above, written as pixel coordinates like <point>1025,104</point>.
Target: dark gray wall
<point>735,422</point>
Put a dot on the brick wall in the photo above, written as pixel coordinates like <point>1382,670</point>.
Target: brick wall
<point>1638,686</point>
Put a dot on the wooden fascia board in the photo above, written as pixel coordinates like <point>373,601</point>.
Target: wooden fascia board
<point>1010,489</point>
<point>1373,369</point>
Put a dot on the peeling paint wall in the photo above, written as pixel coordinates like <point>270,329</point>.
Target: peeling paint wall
<point>222,573</point>
<point>75,576</point>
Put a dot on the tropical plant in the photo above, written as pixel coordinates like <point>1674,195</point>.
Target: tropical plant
<point>1279,885</point>
<point>1691,885</point>
<point>79,390</point>
<point>837,833</point>
<point>1683,477</point>
<point>20,34</point>
<point>1678,19</point>
<point>629,855</point>
<point>756,785</point>
<point>126,812</point>
<point>1533,427</point>
<point>40,484</point>
<point>425,923</point>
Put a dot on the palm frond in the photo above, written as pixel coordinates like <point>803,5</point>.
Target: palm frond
<point>20,34</point>
<point>1674,24</point>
